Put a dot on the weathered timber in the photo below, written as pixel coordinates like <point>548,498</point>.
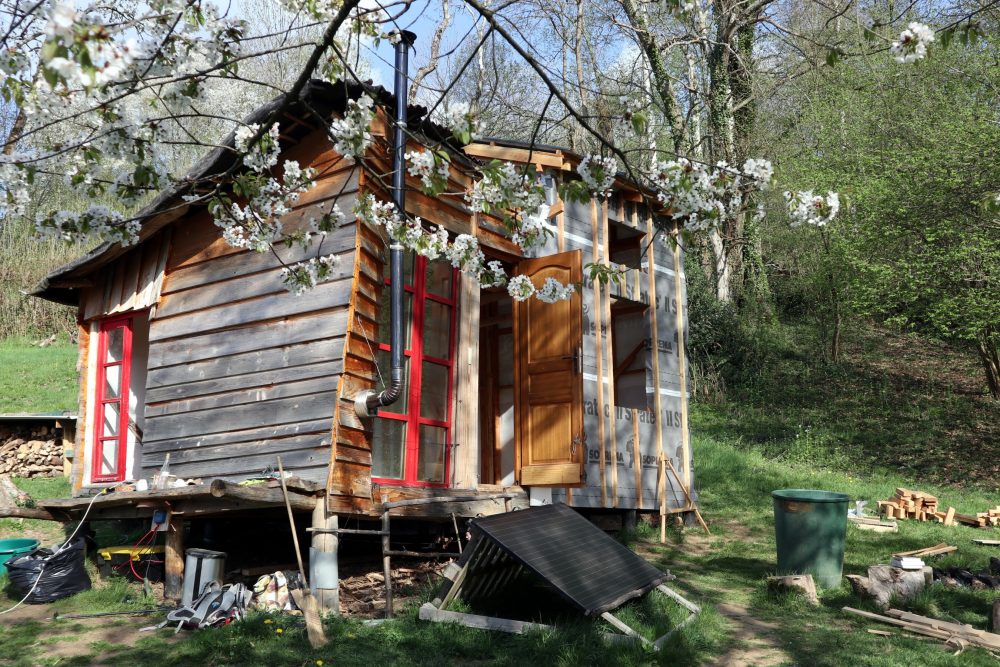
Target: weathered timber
<point>284,410</point>
<point>251,436</point>
<point>802,583</point>
<point>323,296</point>
<point>255,338</point>
<point>287,386</point>
<point>173,585</point>
<point>883,583</point>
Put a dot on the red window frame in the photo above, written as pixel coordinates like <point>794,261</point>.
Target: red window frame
<point>415,354</point>
<point>102,401</point>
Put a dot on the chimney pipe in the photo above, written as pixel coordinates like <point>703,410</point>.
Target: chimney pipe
<point>390,395</point>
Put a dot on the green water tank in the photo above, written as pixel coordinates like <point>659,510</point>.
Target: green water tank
<point>810,527</point>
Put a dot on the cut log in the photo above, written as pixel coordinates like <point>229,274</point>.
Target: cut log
<point>797,582</point>
<point>884,582</point>
<point>10,495</point>
<point>26,513</point>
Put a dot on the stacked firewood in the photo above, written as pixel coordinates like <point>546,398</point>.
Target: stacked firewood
<point>30,452</point>
<point>906,504</point>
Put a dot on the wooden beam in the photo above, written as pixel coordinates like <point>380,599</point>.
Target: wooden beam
<point>173,586</point>
<point>599,348</point>
<point>651,270</point>
<point>682,365</point>
<point>429,612</point>
<point>522,155</point>
<point>609,350</point>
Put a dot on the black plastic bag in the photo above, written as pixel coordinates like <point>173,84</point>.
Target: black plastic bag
<point>59,574</point>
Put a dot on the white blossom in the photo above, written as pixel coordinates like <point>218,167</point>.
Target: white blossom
<point>461,121</point>
<point>806,208</point>
<point>598,173</point>
<point>912,43</point>
<point>520,288</point>
<point>351,133</point>
<point>552,290</point>
<point>62,18</point>
<point>432,168</point>
<point>303,276</point>
<point>760,171</point>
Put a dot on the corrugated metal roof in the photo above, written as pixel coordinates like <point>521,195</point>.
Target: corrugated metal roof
<point>587,567</point>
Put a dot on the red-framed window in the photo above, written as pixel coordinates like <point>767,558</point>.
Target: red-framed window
<point>412,436</point>
<point>114,363</point>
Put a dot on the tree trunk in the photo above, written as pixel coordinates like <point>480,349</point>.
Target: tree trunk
<point>990,358</point>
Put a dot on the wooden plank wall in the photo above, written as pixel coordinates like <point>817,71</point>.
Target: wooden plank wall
<point>241,370</point>
<point>132,282</point>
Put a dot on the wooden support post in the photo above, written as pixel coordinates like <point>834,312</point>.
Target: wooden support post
<point>996,616</point>
<point>657,401</point>
<point>599,349</point>
<point>609,350</point>
<point>173,587</point>
<point>387,563</point>
<point>682,362</point>
<point>323,560</point>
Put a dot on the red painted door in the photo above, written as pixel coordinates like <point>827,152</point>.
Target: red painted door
<point>112,400</point>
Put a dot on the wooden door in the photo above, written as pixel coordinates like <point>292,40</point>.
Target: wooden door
<point>548,338</point>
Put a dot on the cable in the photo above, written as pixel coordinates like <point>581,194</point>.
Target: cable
<point>58,551</point>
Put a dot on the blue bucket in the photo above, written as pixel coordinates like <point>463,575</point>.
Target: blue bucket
<point>15,547</point>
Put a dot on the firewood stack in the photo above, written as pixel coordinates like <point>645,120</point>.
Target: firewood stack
<point>906,504</point>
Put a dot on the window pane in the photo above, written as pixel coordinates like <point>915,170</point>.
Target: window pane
<point>384,317</point>
<point>408,258</point>
<point>388,448</point>
<point>434,392</point>
<point>116,340</point>
<point>430,462</point>
<point>384,362</point>
<point>438,276</point>
<point>111,419</point>
<point>437,330</point>
<point>112,381</point>
<point>109,457</point>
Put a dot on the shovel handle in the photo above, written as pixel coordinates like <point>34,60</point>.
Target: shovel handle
<point>291,523</point>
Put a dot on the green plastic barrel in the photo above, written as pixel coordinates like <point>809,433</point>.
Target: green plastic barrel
<point>15,547</point>
<point>810,527</point>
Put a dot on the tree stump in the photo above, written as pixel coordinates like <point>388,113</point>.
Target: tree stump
<point>797,582</point>
<point>885,582</point>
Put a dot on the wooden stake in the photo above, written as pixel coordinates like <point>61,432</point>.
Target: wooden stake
<point>609,350</point>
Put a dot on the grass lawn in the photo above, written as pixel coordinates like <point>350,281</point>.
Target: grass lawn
<point>861,427</point>
<point>37,379</point>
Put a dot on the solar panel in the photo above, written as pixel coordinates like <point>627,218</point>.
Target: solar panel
<point>587,567</point>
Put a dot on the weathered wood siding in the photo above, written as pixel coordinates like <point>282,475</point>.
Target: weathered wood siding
<point>241,370</point>
<point>132,282</point>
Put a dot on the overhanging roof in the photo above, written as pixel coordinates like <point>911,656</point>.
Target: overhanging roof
<point>318,97</point>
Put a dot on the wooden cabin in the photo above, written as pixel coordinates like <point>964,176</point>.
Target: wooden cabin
<point>193,348</point>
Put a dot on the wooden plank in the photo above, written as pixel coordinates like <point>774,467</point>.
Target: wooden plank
<point>289,386</point>
<point>600,355</point>
<point>247,262</point>
<point>264,433</point>
<point>681,366</point>
<point>253,338</point>
<point>535,156</point>
<point>609,351</point>
<point>212,295</point>
<point>253,415</point>
<point>257,361</point>
<point>657,402</point>
<point>190,450</point>
<point>314,368</point>
<point>324,296</point>
<point>243,465</point>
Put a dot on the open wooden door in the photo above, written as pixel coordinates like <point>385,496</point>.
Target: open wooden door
<point>547,362</point>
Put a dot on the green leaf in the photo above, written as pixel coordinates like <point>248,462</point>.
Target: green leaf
<point>870,35</point>
<point>639,122</point>
<point>833,56</point>
<point>945,36</point>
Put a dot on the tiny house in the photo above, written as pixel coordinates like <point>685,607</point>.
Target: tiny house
<point>194,348</point>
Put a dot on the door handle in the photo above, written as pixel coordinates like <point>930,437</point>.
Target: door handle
<point>576,360</point>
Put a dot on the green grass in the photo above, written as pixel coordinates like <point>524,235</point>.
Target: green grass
<point>861,427</point>
<point>38,488</point>
<point>37,379</point>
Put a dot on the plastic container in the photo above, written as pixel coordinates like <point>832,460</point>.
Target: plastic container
<point>15,547</point>
<point>200,567</point>
<point>147,561</point>
<point>810,527</point>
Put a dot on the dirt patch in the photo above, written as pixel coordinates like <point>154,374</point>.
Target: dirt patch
<point>755,639</point>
